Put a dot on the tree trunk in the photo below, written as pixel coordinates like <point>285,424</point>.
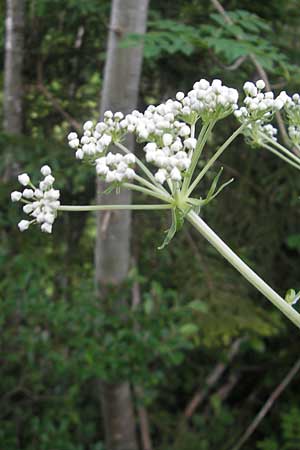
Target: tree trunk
<point>13,85</point>
<point>112,253</point>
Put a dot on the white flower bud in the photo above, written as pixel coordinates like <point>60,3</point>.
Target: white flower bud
<point>46,227</point>
<point>217,86</point>
<point>49,218</point>
<point>108,115</point>
<point>28,208</point>
<point>102,169</point>
<point>72,136</point>
<point>167,139</point>
<point>278,103</point>
<point>16,196</point>
<point>175,174</point>
<point>250,89</point>
<point>119,115</point>
<point>129,158</point>
<point>190,143</point>
<point>49,180</point>
<point>129,174</point>
<point>185,131</point>
<point>151,146</point>
<point>24,179</point>
<point>203,84</point>
<point>85,140</point>
<point>79,154</point>
<point>74,143</point>
<point>88,125</point>
<point>40,218</point>
<point>105,140</point>
<point>28,193</point>
<point>260,84</point>
<point>160,176</point>
<point>110,177</point>
<point>23,225</point>
<point>131,128</point>
<point>46,170</point>
<point>180,96</point>
<point>176,146</point>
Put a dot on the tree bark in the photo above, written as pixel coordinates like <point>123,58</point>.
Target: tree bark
<point>112,252</point>
<point>13,66</point>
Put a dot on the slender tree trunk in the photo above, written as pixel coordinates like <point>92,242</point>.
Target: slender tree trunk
<point>14,48</point>
<point>13,83</point>
<point>112,253</point>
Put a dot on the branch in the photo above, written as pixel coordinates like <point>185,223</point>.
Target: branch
<point>261,71</point>
<point>224,391</point>
<point>211,380</point>
<point>268,405</point>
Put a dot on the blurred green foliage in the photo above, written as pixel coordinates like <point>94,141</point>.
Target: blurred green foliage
<point>57,340</point>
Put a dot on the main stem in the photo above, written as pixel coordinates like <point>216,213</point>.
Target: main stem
<point>241,267</point>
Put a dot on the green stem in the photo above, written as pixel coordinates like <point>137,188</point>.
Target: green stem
<point>112,207</point>
<point>193,126</point>
<point>241,267</point>
<point>142,167</point>
<point>165,198</point>
<point>281,156</point>
<point>203,136</point>
<point>214,158</point>
<point>149,185</point>
<point>283,149</point>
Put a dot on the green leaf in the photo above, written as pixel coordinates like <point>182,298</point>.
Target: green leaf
<point>170,232</point>
<point>293,241</point>
<point>290,296</point>
<point>188,329</point>
<point>176,225</point>
<point>148,305</point>
<point>198,305</point>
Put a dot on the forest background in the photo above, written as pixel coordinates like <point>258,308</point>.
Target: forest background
<point>201,350</point>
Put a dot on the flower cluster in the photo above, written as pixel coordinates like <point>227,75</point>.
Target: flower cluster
<point>170,144</point>
<point>40,203</point>
<point>208,101</point>
<point>115,167</point>
<point>166,129</point>
<point>156,121</point>
<point>96,139</point>
<point>172,159</point>
<point>294,134</point>
<point>258,105</point>
<point>257,133</point>
<point>292,109</point>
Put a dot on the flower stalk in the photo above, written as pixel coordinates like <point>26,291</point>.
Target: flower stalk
<point>242,267</point>
<point>79,208</point>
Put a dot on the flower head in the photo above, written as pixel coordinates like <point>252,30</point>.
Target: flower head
<point>259,106</point>
<point>97,138</point>
<point>40,203</point>
<point>116,167</point>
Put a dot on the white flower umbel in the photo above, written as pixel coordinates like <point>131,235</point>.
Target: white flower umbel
<point>41,203</point>
<point>171,146</point>
<point>116,167</point>
<point>259,106</point>
<point>259,109</point>
<point>97,138</point>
